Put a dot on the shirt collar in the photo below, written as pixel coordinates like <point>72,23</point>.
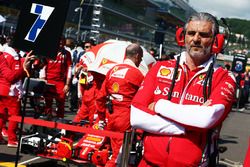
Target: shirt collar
<point>129,62</point>
<point>204,65</point>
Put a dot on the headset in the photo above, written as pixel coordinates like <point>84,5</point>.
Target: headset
<point>217,45</point>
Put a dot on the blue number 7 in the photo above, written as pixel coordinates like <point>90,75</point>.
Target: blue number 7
<point>43,13</point>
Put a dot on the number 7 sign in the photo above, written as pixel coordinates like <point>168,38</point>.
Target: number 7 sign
<point>40,26</point>
<point>43,12</point>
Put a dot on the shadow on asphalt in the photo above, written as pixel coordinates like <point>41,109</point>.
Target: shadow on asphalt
<point>227,139</point>
<point>55,163</point>
<point>44,164</point>
<point>245,111</point>
<point>8,157</point>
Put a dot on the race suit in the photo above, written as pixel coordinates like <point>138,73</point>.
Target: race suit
<point>120,85</point>
<point>7,76</point>
<point>88,104</point>
<point>89,84</point>
<point>57,72</point>
<point>10,75</point>
<point>173,148</point>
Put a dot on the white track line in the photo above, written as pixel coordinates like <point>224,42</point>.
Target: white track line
<point>25,162</point>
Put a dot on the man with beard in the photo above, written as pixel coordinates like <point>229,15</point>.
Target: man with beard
<point>183,102</point>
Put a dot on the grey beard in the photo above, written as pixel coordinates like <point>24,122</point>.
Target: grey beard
<point>205,52</point>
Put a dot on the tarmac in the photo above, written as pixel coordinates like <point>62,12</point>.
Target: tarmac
<point>234,136</point>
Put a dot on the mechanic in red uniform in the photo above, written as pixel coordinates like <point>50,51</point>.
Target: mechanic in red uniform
<point>120,86</point>
<point>10,73</point>
<point>192,109</point>
<point>89,83</point>
<point>12,100</point>
<point>58,72</point>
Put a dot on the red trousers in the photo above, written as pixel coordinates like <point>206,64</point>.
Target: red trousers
<point>175,151</point>
<point>60,99</point>
<point>119,121</point>
<point>11,104</point>
<point>86,111</point>
<point>88,106</point>
<point>169,163</point>
<point>115,145</point>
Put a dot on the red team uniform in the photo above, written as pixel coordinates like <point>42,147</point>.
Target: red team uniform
<point>7,76</point>
<point>87,85</point>
<point>10,73</point>
<point>120,85</point>
<point>57,72</point>
<point>186,148</point>
<point>88,100</point>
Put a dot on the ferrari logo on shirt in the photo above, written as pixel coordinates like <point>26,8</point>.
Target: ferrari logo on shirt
<point>104,61</point>
<point>115,87</point>
<point>115,69</point>
<point>201,77</point>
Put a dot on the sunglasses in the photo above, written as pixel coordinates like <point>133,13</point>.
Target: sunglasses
<point>87,46</point>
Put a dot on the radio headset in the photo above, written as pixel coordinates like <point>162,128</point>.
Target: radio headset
<point>217,47</point>
<point>218,41</point>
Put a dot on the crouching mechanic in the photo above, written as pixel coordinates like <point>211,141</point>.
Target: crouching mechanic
<point>120,86</point>
<point>89,84</point>
<point>197,101</point>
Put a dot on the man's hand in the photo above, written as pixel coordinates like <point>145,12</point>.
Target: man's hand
<point>151,106</point>
<point>29,59</point>
<point>207,103</point>
<point>80,68</point>
<point>66,89</point>
<point>79,95</point>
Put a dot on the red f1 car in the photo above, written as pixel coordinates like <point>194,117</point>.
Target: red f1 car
<point>74,147</point>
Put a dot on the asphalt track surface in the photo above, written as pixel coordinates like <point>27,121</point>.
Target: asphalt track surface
<point>234,136</point>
